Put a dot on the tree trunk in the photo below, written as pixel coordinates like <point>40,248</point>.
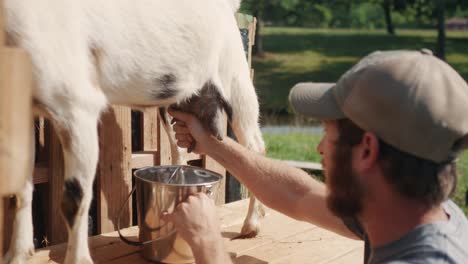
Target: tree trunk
<point>387,6</point>
<point>440,52</point>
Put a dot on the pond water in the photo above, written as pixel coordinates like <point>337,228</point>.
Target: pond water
<point>285,129</point>
<point>287,123</point>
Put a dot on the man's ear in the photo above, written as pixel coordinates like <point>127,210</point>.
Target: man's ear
<point>368,151</point>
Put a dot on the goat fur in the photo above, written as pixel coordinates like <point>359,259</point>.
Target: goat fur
<point>88,54</point>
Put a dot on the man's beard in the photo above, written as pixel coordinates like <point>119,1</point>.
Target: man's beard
<point>345,191</point>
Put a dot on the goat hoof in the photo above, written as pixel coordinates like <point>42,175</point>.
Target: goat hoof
<point>248,231</point>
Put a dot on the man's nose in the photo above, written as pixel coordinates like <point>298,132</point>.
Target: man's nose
<point>320,147</point>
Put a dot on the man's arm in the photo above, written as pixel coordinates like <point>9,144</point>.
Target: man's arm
<point>279,186</point>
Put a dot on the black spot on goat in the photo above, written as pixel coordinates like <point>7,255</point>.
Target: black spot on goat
<point>165,87</point>
<point>71,201</point>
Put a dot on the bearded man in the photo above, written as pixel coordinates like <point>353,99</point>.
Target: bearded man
<point>395,124</point>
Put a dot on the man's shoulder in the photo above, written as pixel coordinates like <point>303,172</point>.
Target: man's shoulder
<point>440,242</point>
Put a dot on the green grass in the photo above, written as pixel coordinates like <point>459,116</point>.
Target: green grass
<point>301,147</point>
<point>294,146</point>
<point>298,54</point>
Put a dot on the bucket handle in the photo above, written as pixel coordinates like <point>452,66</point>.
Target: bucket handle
<point>137,243</point>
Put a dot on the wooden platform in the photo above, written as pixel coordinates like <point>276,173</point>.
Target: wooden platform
<point>282,240</point>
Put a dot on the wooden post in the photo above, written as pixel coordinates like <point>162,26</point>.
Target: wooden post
<point>150,129</point>
<point>210,164</point>
<point>164,147</point>
<point>235,190</point>
<point>1,230</point>
<point>2,41</point>
<point>2,26</point>
<point>56,228</point>
<point>114,179</point>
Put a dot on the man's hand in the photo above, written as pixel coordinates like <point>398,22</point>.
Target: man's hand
<point>197,223</point>
<point>189,129</point>
<point>196,219</point>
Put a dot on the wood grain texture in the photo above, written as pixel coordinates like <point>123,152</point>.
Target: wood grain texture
<point>164,147</point>
<point>114,181</point>
<point>142,159</point>
<point>1,229</point>
<point>210,164</point>
<point>2,28</point>
<point>149,128</point>
<point>56,229</point>
<point>282,240</point>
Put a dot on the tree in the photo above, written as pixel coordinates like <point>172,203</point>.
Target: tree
<point>387,6</point>
<point>440,50</point>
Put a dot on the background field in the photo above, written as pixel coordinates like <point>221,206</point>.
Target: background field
<point>295,55</point>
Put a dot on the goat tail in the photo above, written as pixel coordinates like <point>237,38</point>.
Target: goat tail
<point>246,114</point>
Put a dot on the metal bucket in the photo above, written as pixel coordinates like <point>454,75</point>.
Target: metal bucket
<point>160,189</point>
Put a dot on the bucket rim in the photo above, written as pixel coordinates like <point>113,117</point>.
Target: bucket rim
<point>139,177</point>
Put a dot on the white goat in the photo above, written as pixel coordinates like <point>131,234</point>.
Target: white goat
<point>91,53</point>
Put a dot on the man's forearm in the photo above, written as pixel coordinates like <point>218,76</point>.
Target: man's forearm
<point>273,182</point>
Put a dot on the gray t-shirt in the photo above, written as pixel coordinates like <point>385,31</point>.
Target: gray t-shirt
<point>441,242</point>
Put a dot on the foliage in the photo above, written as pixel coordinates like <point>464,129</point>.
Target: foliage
<point>293,146</point>
<point>295,55</point>
<point>367,15</point>
<point>352,13</point>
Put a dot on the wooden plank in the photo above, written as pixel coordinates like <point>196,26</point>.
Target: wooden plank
<point>210,164</point>
<point>109,248</point>
<point>313,246</point>
<point>56,230</point>
<point>305,165</point>
<point>275,227</point>
<point>150,128</point>
<point>114,180</point>
<point>41,173</point>
<point>282,240</point>
<point>2,29</point>
<point>15,119</point>
<point>142,159</point>
<point>1,229</point>
<point>253,29</point>
<point>252,26</point>
<point>164,147</point>
<point>354,256</point>
<point>41,145</point>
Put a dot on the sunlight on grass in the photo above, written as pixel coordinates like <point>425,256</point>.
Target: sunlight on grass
<point>293,146</point>
<point>295,55</point>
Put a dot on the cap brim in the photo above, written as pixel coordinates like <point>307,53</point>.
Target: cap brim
<point>315,100</point>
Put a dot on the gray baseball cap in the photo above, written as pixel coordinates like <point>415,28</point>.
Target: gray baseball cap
<point>410,99</point>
